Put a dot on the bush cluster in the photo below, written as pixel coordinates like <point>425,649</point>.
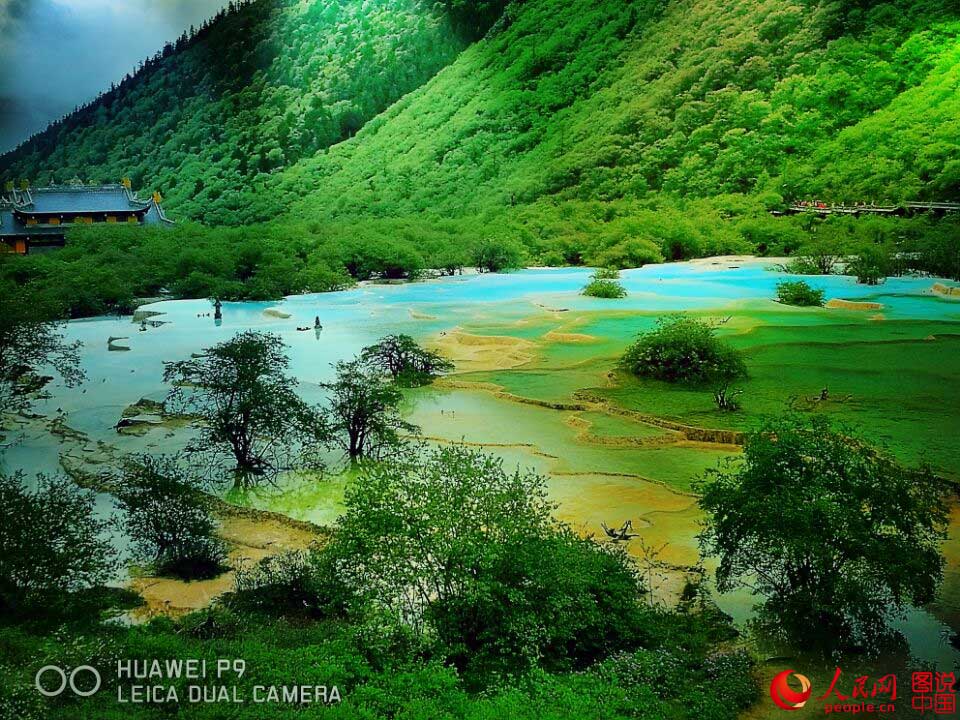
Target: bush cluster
<point>683,350</point>
<point>607,289</point>
<point>169,520</point>
<point>799,293</point>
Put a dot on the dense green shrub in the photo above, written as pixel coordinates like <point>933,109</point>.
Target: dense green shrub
<point>629,253</point>
<point>608,289</point>
<point>870,265</point>
<point>799,293</point>
<point>560,602</point>
<point>686,350</point>
<point>457,549</point>
<point>379,676</point>
<point>382,259</point>
<point>293,584</point>
<point>497,254</point>
<point>682,349</point>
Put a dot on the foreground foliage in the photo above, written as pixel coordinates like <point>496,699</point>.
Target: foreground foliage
<point>447,590</point>
<point>51,544</point>
<point>464,553</point>
<point>679,674</point>
<point>831,533</point>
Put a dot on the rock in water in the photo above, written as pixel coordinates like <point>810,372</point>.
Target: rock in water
<point>114,345</point>
<point>276,313</point>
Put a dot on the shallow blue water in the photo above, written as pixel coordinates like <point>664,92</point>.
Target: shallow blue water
<point>355,318</point>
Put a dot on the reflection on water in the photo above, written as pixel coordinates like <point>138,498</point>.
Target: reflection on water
<point>602,468</point>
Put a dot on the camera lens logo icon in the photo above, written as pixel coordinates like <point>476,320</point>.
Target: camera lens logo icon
<point>49,687</point>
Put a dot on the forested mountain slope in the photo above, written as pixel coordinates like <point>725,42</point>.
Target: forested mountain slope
<point>264,84</point>
<point>601,101</point>
<point>275,106</point>
<point>611,133</point>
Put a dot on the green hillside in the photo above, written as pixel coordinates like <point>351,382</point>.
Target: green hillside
<point>262,85</point>
<point>574,100</point>
<point>603,101</point>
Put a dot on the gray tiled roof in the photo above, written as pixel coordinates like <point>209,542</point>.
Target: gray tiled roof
<point>74,200</point>
<point>82,199</point>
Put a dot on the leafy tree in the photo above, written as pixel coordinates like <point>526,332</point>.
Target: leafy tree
<point>830,532</point>
<point>817,257</point>
<point>169,520</point>
<point>496,254</point>
<point>30,340</point>
<point>363,413</point>
<point>247,406</point>
<point>450,261</point>
<point>938,250</point>
<point>386,259</point>
<point>51,543</point>
<point>870,265</point>
<point>631,252</point>
<point>799,293</point>
<point>405,361</point>
<point>686,350</point>
<point>457,548</point>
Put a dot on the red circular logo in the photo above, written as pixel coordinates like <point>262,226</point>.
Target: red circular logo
<point>786,697</point>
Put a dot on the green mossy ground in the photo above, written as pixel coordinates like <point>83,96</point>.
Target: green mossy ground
<point>894,379</point>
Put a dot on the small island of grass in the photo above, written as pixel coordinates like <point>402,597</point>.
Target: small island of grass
<point>604,283</point>
<point>799,294</point>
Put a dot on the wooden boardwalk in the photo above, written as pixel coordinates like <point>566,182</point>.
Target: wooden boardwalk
<point>903,209</point>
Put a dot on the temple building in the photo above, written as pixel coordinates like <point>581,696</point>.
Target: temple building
<point>37,219</point>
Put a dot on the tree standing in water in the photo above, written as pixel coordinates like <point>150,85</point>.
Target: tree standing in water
<point>405,361</point>
<point>247,406</point>
<point>363,411</point>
